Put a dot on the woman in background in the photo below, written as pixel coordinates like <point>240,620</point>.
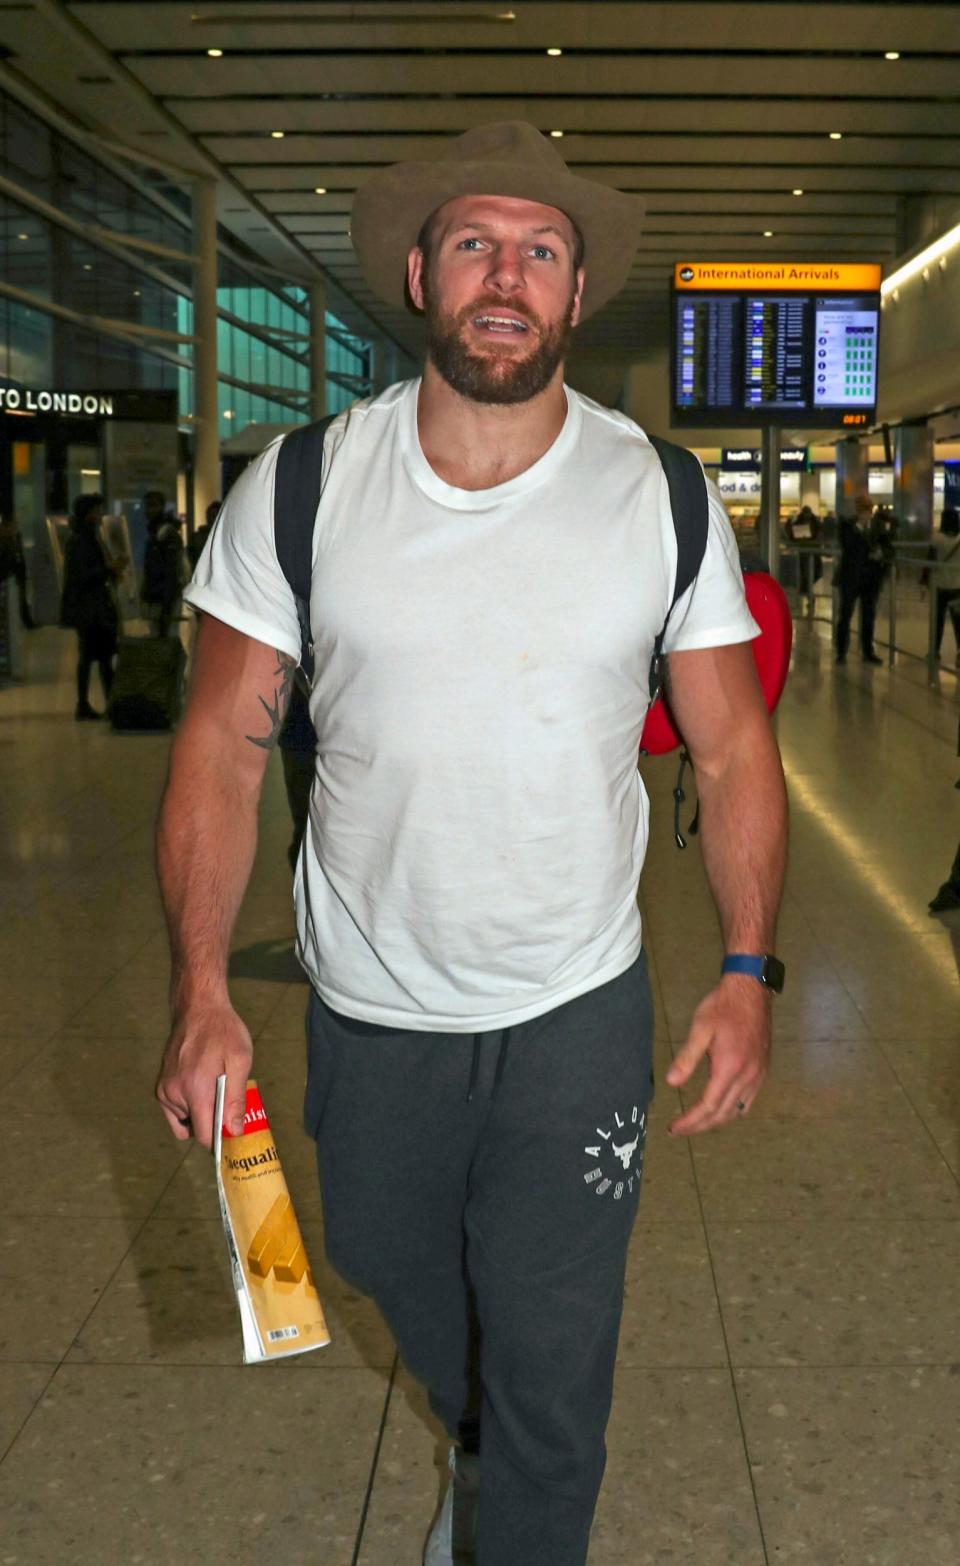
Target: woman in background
<point>87,602</point>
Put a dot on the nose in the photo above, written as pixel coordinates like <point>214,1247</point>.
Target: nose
<point>506,270</point>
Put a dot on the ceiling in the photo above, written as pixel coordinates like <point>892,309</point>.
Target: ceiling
<point>716,113</point>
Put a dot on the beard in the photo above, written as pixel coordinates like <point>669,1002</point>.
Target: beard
<point>493,376</point>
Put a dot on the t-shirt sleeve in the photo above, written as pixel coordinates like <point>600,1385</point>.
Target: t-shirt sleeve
<point>713,611</point>
<point>238,577</point>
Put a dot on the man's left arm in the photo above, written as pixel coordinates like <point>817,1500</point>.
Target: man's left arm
<point>716,699</point>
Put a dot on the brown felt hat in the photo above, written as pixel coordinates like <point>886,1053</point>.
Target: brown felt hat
<point>510,158</point>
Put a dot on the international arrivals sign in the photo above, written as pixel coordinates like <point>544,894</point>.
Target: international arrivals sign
<point>93,404</point>
<point>779,276</point>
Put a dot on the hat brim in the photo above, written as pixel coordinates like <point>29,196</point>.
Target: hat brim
<point>392,207</point>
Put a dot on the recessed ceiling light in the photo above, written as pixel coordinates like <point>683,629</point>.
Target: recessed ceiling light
<point>892,54</point>
<point>228,413</point>
<point>555,53</point>
<point>319,190</point>
<point>87,266</point>
<point>556,133</point>
<point>278,135</point>
<point>836,135</point>
<point>215,54</point>
<point>798,191</point>
<point>136,293</point>
<point>23,236</point>
<point>768,233</point>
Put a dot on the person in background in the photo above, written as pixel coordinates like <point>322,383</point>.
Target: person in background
<point>13,563</point>
<point>946,549</point>
<point>164,566</point>
<point>201,534</point>
<point>859,576</point>
<point>87,602</point>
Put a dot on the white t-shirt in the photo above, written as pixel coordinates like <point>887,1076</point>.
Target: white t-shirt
<point>478,823</point>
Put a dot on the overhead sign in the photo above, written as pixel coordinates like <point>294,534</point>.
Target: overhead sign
<point>781,276</point>
<point>94,404</point>
<point>748,459</point>
<point>781,344</point>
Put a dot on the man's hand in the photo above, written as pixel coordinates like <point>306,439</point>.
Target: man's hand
<point>206,1042</point>
<point>731,1026</point>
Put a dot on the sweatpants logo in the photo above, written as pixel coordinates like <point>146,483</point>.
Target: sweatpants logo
<point>618,1165</point>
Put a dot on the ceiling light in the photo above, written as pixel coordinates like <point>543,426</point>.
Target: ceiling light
<point>215,54</point>
<point>87,266</point>
<point>892,54</point>
<point>556,133</point>
<point>136,293</point>
<point>768,233</point>
<point>319,190</point>
<point>798,191</point>
<point>228,413</point>
<point>23,236</point>
<point>555,53</point>
<point>936,252</point>
<point>836,135</point>
<point>278,135</point>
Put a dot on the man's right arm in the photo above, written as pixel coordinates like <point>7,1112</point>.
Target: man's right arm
<point>206,840</point>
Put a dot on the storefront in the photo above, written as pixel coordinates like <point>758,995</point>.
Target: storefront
<point>55,445</point>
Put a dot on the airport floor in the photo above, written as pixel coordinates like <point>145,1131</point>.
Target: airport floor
<point>788,1386</point>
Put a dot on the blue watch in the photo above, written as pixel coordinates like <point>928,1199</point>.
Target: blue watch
<point>766,969</point>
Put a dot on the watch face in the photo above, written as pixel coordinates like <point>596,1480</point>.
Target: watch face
<point>773,973</point>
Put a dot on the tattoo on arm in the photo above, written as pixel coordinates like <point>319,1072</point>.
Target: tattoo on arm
<point>276,710</point>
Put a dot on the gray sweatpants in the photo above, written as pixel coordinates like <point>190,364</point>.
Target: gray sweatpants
<point>482,1188</point>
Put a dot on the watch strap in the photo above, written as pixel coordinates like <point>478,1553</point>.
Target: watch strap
<point>767,970</point>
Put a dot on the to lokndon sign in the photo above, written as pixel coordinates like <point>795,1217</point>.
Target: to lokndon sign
<point>92,404</point>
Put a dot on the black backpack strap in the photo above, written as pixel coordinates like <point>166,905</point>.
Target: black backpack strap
<point>296,496</point>
<point>688,503</point>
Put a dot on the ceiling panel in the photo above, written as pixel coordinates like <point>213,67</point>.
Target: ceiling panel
<point>715,112</point>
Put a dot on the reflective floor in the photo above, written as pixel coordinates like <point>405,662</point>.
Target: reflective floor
<point>787,1387</point>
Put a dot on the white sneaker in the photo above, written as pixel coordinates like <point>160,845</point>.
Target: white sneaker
<point>451,1539</point>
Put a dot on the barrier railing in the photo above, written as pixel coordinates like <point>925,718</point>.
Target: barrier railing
<point>908,608</point>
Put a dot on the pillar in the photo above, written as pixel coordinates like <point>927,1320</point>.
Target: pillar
<point>770,501</point>
<point>852,475</point>
<point>206,427</point>
<point>913,479</point>
<point>318,349</point>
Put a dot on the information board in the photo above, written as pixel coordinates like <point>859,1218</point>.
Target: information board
<point>775,344</point>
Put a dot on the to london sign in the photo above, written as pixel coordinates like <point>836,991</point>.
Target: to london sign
<point>55,402</point>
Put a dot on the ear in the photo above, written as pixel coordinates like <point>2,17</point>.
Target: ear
<point>577,296</point>
<point>415,276</point>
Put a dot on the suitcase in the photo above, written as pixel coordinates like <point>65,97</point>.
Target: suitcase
<point>148,684</point>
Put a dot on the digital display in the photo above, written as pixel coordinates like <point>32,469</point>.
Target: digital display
<point>788,354</point>
<point>845,360</point>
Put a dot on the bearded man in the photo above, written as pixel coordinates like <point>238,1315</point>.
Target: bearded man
<point>493,558</point>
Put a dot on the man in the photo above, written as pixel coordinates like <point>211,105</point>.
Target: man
<point>864,552</point>
<point>494,556</point>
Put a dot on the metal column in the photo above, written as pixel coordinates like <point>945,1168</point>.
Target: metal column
<point>852,475</point>
<point>913,480</point>
<point>206,432</point>
<point>770,502</point>
<point>318,349</point>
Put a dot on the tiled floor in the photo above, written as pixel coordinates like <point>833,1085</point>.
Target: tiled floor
<point>787,1388</point>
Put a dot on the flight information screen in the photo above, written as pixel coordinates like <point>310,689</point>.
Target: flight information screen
<point>788,354</point>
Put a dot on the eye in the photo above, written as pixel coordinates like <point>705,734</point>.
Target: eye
<point>465,244</point>
<point>544,253</point>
